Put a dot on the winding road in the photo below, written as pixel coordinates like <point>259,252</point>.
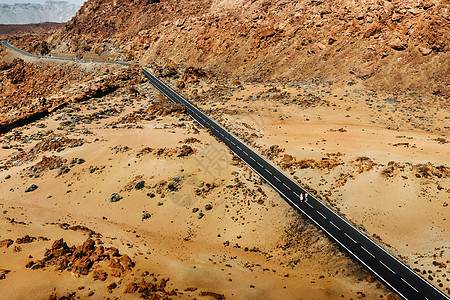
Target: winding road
<point>400,278</point>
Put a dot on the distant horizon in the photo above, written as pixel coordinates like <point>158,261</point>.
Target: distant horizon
<point>11,2</point>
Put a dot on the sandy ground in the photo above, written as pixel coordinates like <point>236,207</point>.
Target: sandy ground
<point>204,220</point>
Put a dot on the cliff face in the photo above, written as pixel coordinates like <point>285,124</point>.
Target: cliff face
<point>391,45</point>
<point>28,13</point>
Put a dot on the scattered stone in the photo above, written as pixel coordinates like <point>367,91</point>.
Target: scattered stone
<point>6,243</point>
<point>131,288</point>
<point>140,185</point>
<point>208,207</point>
<point>146,215</point>
<point>200,215</point>
<point>30,188</point>
<point>111,286</point>
<point>25,240</point>
<point>115,197</point>
<point>3,273</point>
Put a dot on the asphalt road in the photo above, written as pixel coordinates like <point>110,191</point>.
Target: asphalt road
<point>386,267</point>
<point>8,45</point>
<point>404,281</point>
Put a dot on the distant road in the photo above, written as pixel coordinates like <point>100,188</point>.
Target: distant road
<point>8,45</point>
<point>404,281</point>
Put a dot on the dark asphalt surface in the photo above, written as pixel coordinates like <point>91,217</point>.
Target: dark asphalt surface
<point>386,267</point>
<point>390,270</point>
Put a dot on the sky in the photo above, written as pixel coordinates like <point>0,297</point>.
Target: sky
<point>78,2</point>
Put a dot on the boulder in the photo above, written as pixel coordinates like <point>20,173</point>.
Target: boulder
<point>425,51</point>
<point>140,185</point>
<point>30,188</point>
<point>397,44</point>
<point>115,197</point>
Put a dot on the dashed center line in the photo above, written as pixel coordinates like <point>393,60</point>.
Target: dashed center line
<point>245,153</point>
<point>409,285</point>
<point>269,172</point>
<point>277,178</point>
<point>259,164</point>
<point>350,238</point>
<point>307,203</point>
<point>251,157</point>
<point>368,252</point>
<point>335,225</point>
<point>386,267</point>
<point>321,214</point>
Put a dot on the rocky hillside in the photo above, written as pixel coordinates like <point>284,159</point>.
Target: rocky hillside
<point>30,13</point>
<point>395,46</point>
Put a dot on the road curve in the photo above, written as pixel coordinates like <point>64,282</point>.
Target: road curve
<point>404,281</point>
<point>8,45</point>
<point>386,267</point>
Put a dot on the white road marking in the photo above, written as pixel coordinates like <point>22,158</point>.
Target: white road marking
<point>350,238</point>
<point>409,284</point>
<point>277,178</point>
<point>334,225</point>
<point>321,214</point>
<point>239,148</point>
<point>233,143</point>
<point>368,252</point>
<point>386,267</point>
<point>245,153</point>
<point>309,204</point>
<point>260,165</point>
<point>252,158</point>
<point>227,139</point>
<point>286,186</point>
<point>268,172</point>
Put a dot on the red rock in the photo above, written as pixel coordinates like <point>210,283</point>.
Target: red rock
<point>425,51</point>
<point>61,263</point>
<point>25,240</point>
<point>397,44</point>
<point>82,266</point>
<point>370,278</point>
<point>131,288</point>
<point>88,245</point>
<point>100,274</point>
<point>29,264</point>
<point>126,262</point>
<point>6,243</point>
<point>115,264</point>
<point>112,286</point>
<point>116,272</point>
